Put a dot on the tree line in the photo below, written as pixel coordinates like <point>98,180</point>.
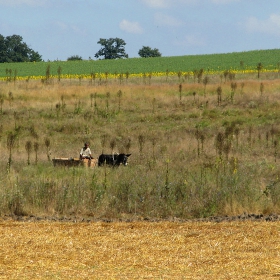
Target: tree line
<point>114,48</point>
<point>14,49</point>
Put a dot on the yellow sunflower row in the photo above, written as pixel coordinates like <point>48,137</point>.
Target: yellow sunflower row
<point>96,76</point>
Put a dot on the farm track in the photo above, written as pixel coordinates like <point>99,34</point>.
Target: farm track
<point>76,219</point>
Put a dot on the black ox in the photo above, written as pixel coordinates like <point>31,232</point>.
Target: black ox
<point>113,160</point>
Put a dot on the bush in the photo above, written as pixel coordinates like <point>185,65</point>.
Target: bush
<point>74,57</point>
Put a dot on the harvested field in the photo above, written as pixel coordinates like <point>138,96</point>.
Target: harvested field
<point>139,250</point>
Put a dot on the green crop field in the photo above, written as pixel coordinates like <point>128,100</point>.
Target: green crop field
<point>239,61</point>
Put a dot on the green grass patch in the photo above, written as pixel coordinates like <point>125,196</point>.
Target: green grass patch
<point>210,62</point>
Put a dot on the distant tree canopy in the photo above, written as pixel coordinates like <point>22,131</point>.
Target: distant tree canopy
<point>112,48</point>
<point>13,49</point>
<point>148,52</point>
<point>74,57</point>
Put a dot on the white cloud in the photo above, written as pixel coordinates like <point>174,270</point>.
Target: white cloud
<point>165,20</point>
<point>66,28</point>
<point>15,3</point>
<point>268,26</point>
<point>61,26</point>
<point>131,27</point>
<point>224,1</point>
<point>78,30</point>
<point>164,4</point>
<point>157,3</point>
<point>191,41</point>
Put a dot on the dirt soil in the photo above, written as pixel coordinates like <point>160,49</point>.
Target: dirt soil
<point>242,217</point>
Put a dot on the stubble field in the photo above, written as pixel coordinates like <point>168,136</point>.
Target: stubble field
<point>139,250</point>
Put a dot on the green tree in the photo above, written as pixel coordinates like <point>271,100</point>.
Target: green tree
<point>148,52</point>
<point>74,57</point>
<point>35,56</point>
<point>3,49</point>
<point>112,48</point>
<point>13,49</point>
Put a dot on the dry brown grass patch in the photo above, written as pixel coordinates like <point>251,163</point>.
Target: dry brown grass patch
<point>140,250</point>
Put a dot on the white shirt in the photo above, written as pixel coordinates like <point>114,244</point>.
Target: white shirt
<point>85,152</point>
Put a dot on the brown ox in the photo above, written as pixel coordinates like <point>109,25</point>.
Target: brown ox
<point>90,162</point>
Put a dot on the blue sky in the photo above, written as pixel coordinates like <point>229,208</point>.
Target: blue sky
<point>58,29</point>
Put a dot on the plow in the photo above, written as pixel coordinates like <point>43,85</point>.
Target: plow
<point>73,162</point>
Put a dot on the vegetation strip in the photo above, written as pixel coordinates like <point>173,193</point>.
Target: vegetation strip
<point>206,149</point>
<point>242,62</point>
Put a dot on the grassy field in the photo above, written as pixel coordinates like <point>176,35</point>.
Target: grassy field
<point>140,250</point>
<point>240,61</point>
<point>197,150</point>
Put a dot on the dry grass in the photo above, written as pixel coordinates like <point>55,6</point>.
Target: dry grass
<point>140,250</point>
<point>243,176</point>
